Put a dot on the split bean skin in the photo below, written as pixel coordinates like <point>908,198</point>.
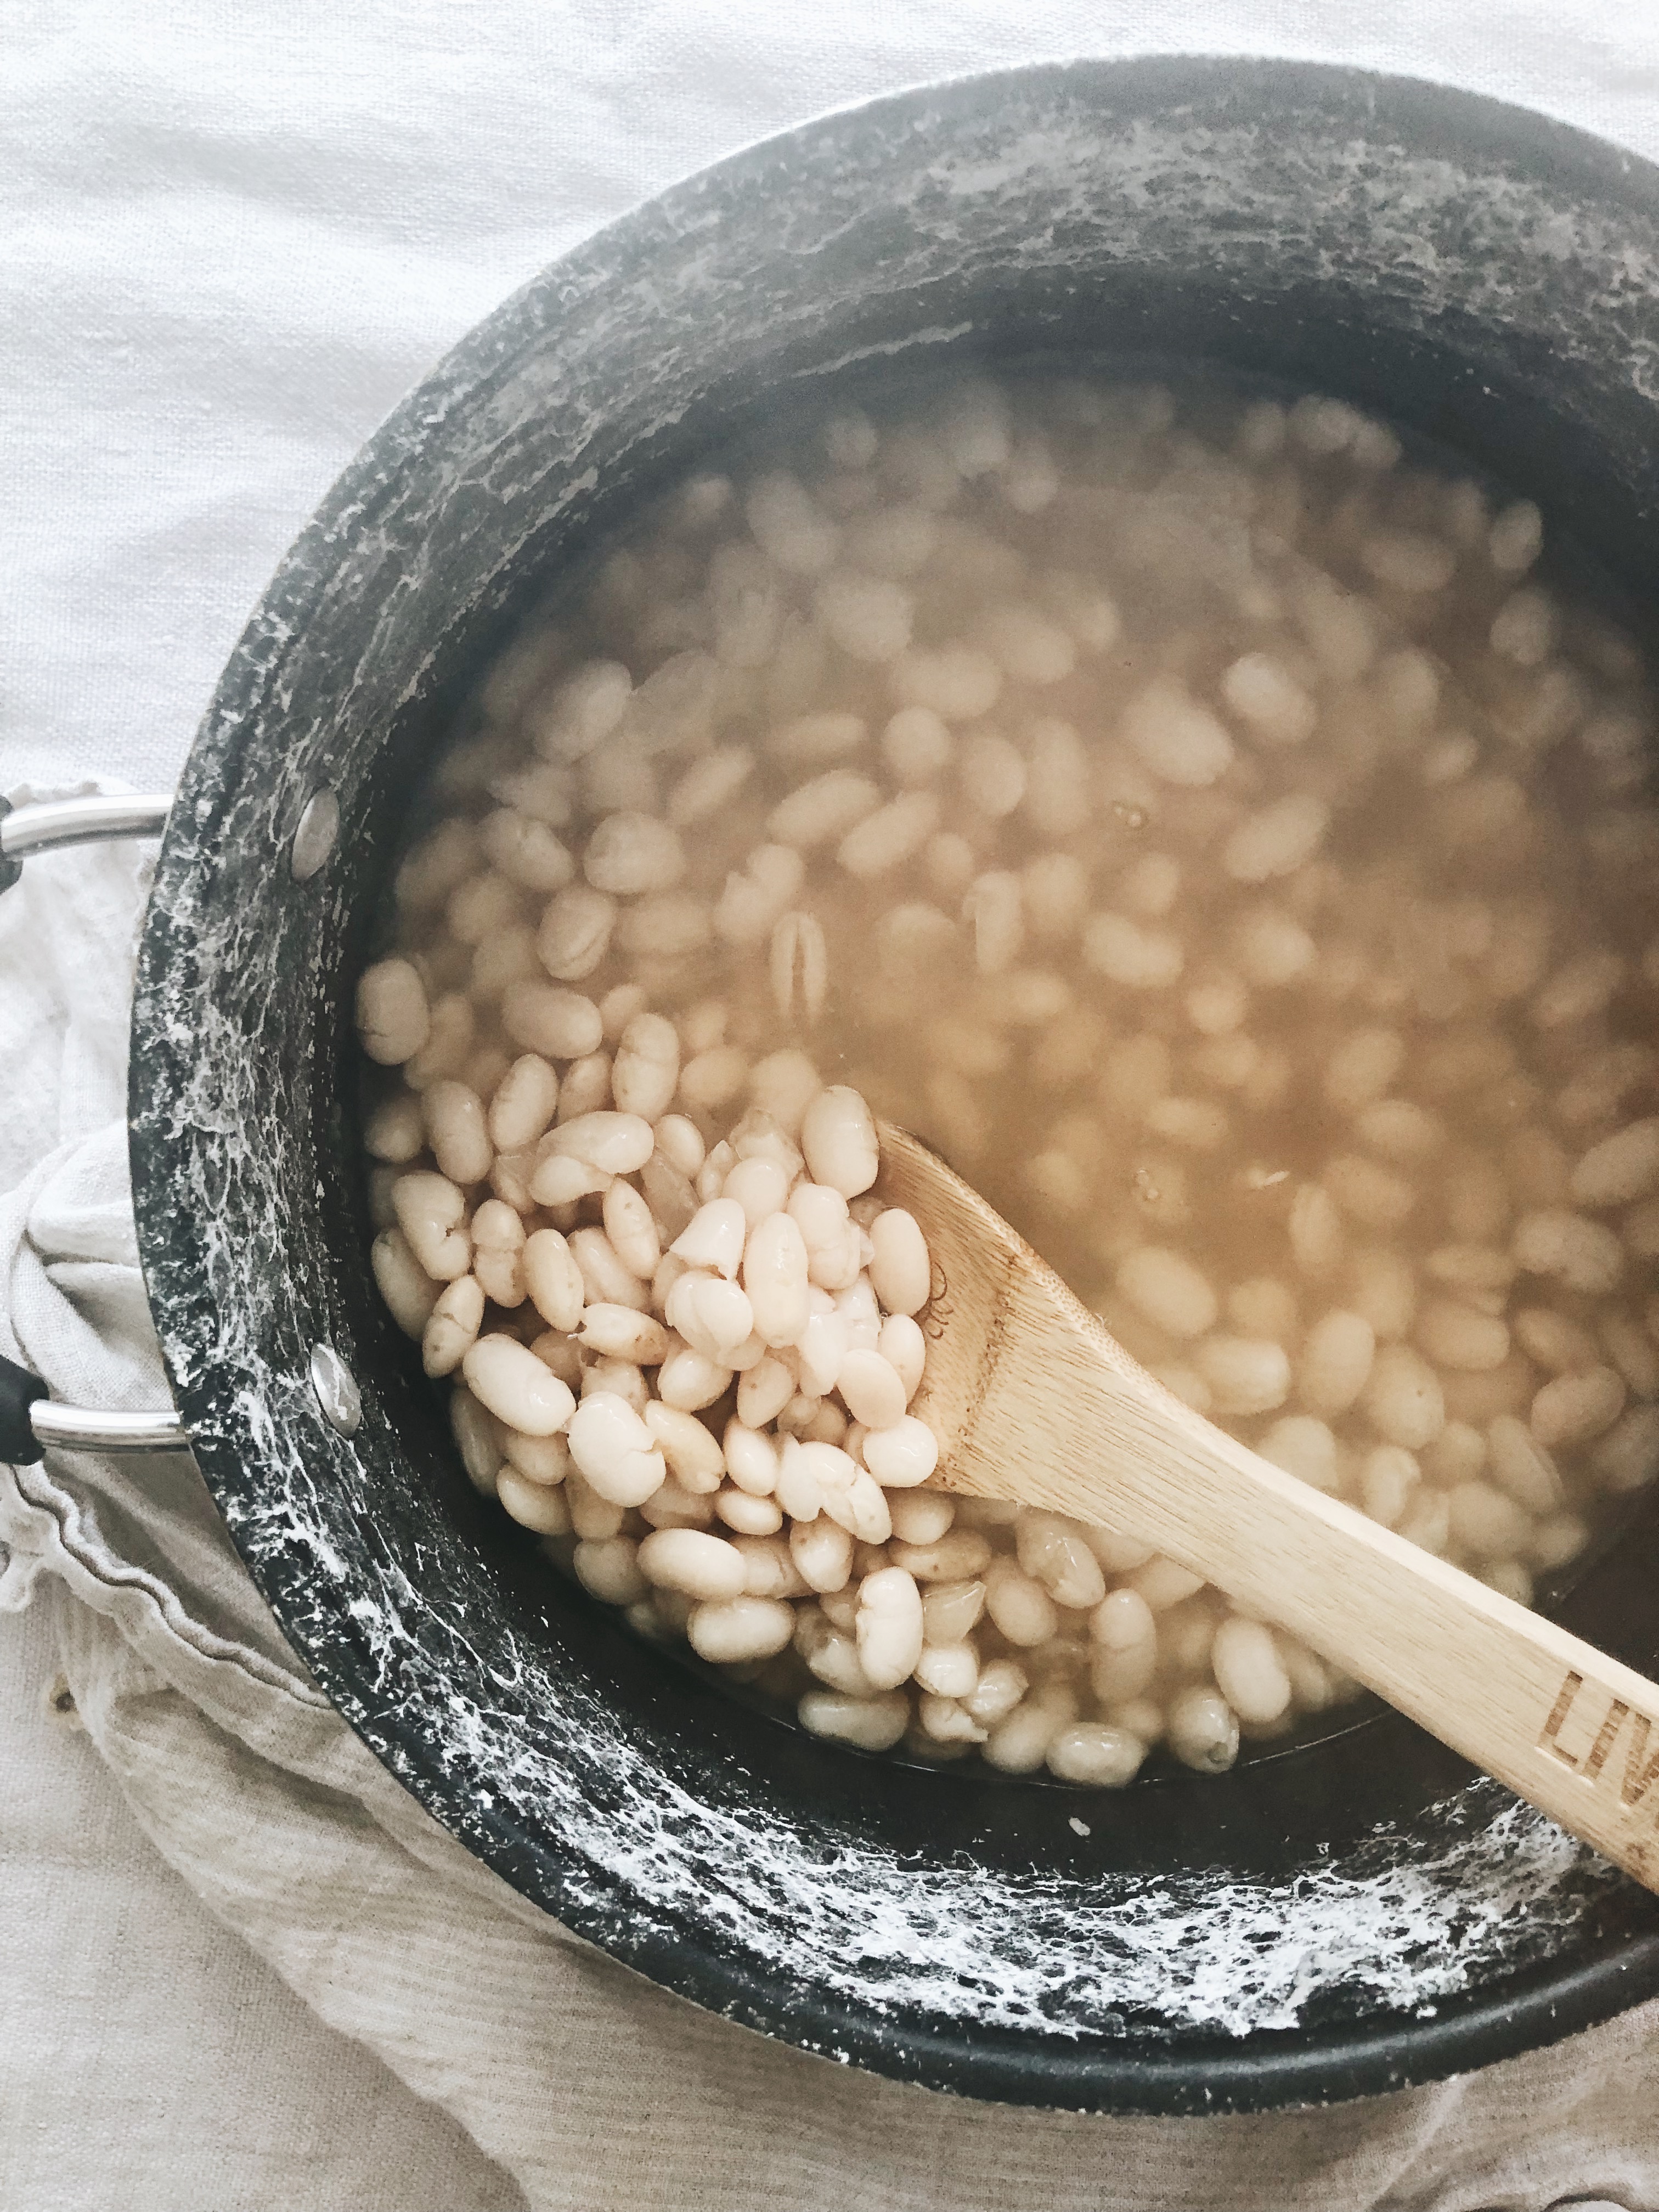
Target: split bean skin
<point>1294,997</point>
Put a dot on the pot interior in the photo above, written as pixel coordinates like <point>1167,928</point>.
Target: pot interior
<point>1337,1917</point>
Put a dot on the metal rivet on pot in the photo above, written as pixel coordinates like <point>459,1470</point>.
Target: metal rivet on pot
<point>313,840</point>
<point>337,1390</point>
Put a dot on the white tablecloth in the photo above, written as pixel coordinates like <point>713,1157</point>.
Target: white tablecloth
<point>230,238</point>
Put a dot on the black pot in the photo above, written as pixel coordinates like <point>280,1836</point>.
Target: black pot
<point>1340,1918</point>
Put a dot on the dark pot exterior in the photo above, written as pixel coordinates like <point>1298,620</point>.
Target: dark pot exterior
<point>1344,1918</point>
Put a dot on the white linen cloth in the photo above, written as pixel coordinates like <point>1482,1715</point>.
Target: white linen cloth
<point>233,238</point>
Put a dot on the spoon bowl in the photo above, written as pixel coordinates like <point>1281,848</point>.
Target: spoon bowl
<point>1033,1399</point>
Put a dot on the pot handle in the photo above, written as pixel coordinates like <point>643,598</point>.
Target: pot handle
<point>30,1421</point>
<point>50,823</point>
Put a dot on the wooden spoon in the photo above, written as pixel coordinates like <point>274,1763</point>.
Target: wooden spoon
<point>1031,1399</point>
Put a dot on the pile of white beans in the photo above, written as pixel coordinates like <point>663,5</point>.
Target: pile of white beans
<point>1191,819</point>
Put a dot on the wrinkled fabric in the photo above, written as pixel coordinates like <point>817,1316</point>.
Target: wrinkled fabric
<point>231,239</point>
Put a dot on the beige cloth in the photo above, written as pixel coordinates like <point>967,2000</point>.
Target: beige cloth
<point>240,235</point>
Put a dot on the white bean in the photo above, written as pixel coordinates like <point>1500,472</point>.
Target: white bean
<point>691,1380</point>
<point>1053,1550</point>
<point>839,1140</point>
<point>525,851</point>
<point>524,1102</point>
<point>904,1348</point>
<point>715,1238</point>
<point>393,1019</point>
<point>992,908</point>
<point>868,616</point>
<point>709,786</point>
<point>1096,1752</point>
<point>1018,1604</point>
<point>1627,1456</point>
<point>1402,1399</point>
<point>632,1231</point>
<point>1163,1583</point>
<point>451,1326</point>
<point>553,1279</point>
<point>516,1387</point>
<point>575,932</point>
<point>693,1455</point>
<point>608,1568</point>
<point>1018,1743</point>
<point>548,1019</point>
<point>727,1630</point>
<point>621,1333</point>
<point>824,809</point>
<point>1460,1337</point>
<point>902,1454</point>
<point>869,1723</point>
<point>1304,1446</point>
<point>871,1389</point>
<point>1126,952</point>
<point>916,747</point>
<point>1570,1409</point>
<point>533,1505</point>
<point>822,1553</point>
<point>747,1516</point>
<point>774,1277</point>
<point>1485,1522</point>
<point>1621,1168</point>
<point>429,1209</point>
<point>614,1449</point>
<point>1169,1290</point>
<point>395,1131</point>
<point>1203,1730</point>
<point>901,1270</point>
<point>647,1068</point>
<point>993,775</point>
<point>688,1559</point>
<point>586,1088</point>
<point>756,897</point>
<point>1249,1672</point>
<point>585,709</point>
<point>1521,1466</point>
<point>614,1144</point>
<point>1267,699</point>
<point>1027,647</point>
<point>890,836</point>
<point>1383,1290</point>
<point>889,1627</point>
<point>811,739</point>
<point>948,1670</point>
<point>1244,1375</point>
<point>764,1392</point>
<point>1180,741</point>
<point>1277,840</point>
<point>958,683</point>
<point>410,1292</point>
<point>789,527</point>
<point>1388,1476</point>
<point>1580,1253</point>
<point>478,1434</point>
<point>1336,1362</point>
<point>606,1277</point>
<point>1123,1632</point>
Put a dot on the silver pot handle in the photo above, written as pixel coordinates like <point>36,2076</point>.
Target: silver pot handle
<point>50,823</point>
<point>30,1422</point>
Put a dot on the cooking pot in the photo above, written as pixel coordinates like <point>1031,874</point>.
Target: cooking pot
<point>1344,1916</point>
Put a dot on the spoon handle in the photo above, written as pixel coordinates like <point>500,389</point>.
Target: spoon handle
<point>1572,1731</point>
<point>1037,1401</point>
